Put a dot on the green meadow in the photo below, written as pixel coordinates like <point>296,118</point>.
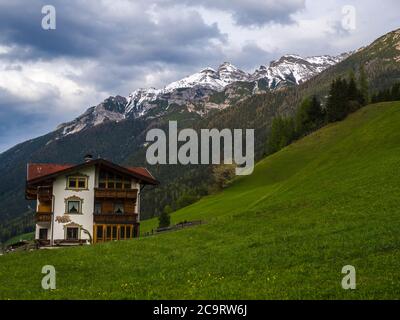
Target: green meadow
<point>329,200</point>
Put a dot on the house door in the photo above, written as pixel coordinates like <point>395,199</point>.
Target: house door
<point>43,233</point>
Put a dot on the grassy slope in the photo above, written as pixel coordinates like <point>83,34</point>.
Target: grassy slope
<point>26,236</point>
<point>329,200</point>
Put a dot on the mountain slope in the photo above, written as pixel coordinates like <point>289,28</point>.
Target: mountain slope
<point>285,232</point>
<point>239,105</point>
<point>111,109</point>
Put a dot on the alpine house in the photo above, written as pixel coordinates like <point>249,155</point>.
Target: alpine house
<point>94,201</point>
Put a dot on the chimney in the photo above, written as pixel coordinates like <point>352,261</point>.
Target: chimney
<point>88,158</point>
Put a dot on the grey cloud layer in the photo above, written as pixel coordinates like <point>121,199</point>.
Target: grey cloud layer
<point>89,31</point>
<point>252,12</point>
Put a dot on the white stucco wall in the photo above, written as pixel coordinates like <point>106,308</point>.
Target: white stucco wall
<point>61,193</point>
<point>43,225</point>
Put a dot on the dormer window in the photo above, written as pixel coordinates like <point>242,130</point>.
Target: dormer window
<point>77,183</point>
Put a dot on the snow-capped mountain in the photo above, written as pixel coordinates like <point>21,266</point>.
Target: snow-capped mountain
<point>294,69</point>
<point>196,90</point>
<point>226,74</point>
<point>137,100</point>
<point>111,109</point>
<point>288,70</point>
<point>141,100</point>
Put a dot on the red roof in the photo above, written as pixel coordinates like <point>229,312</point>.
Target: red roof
<point>37,171</point>
<point>141,170</point>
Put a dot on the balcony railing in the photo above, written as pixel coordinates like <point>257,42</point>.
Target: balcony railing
<point>45,193</point>
<point>115,218</point>
<point>115,194</point>
<point>43,216</point>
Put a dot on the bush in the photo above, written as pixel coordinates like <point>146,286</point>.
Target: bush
<point>164,220</point>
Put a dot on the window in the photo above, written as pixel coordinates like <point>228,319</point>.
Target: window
<point>118,182</point>
<point>118,208</point>
<point>99,232</point>
<point>97,208</point>
<point>72,233</point>
<point>43,233</point>
<point>128,232</point>
<point>74,207</point>
<point>110,180</point>
<point>108,232</point>
<point>77,183</point>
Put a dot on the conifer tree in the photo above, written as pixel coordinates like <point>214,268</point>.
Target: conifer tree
<point>337,105</point>
<point>310,116</point>
<point>364,86</point>
<point>164,220</point>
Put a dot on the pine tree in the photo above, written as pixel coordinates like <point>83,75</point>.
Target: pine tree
<point>317,115</point>
<point>310,116</point>
<point>354,95</point>
<point>337,105</point>
<point>303,122</point>
<point>364,86</point>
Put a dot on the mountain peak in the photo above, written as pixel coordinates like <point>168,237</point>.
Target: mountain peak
<point>291,69</point>
<point>295,69</point>
<point>208,70</point>
<point>227,65</point>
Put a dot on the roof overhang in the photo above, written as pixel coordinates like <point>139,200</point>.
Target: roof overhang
<point>142,178</point>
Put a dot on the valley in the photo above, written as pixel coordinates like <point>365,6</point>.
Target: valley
<point>218,99</point>
<point>326,201</point>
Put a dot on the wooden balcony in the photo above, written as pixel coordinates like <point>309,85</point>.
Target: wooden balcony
<point>115,194</point>
<point>45,193</point>
<point>43,216</point>
<point>126,218</point>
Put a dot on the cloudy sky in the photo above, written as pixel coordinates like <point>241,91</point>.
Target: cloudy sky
<point>108,47</point>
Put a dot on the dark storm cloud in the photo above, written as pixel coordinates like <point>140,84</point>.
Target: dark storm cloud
<point>88,31</point>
